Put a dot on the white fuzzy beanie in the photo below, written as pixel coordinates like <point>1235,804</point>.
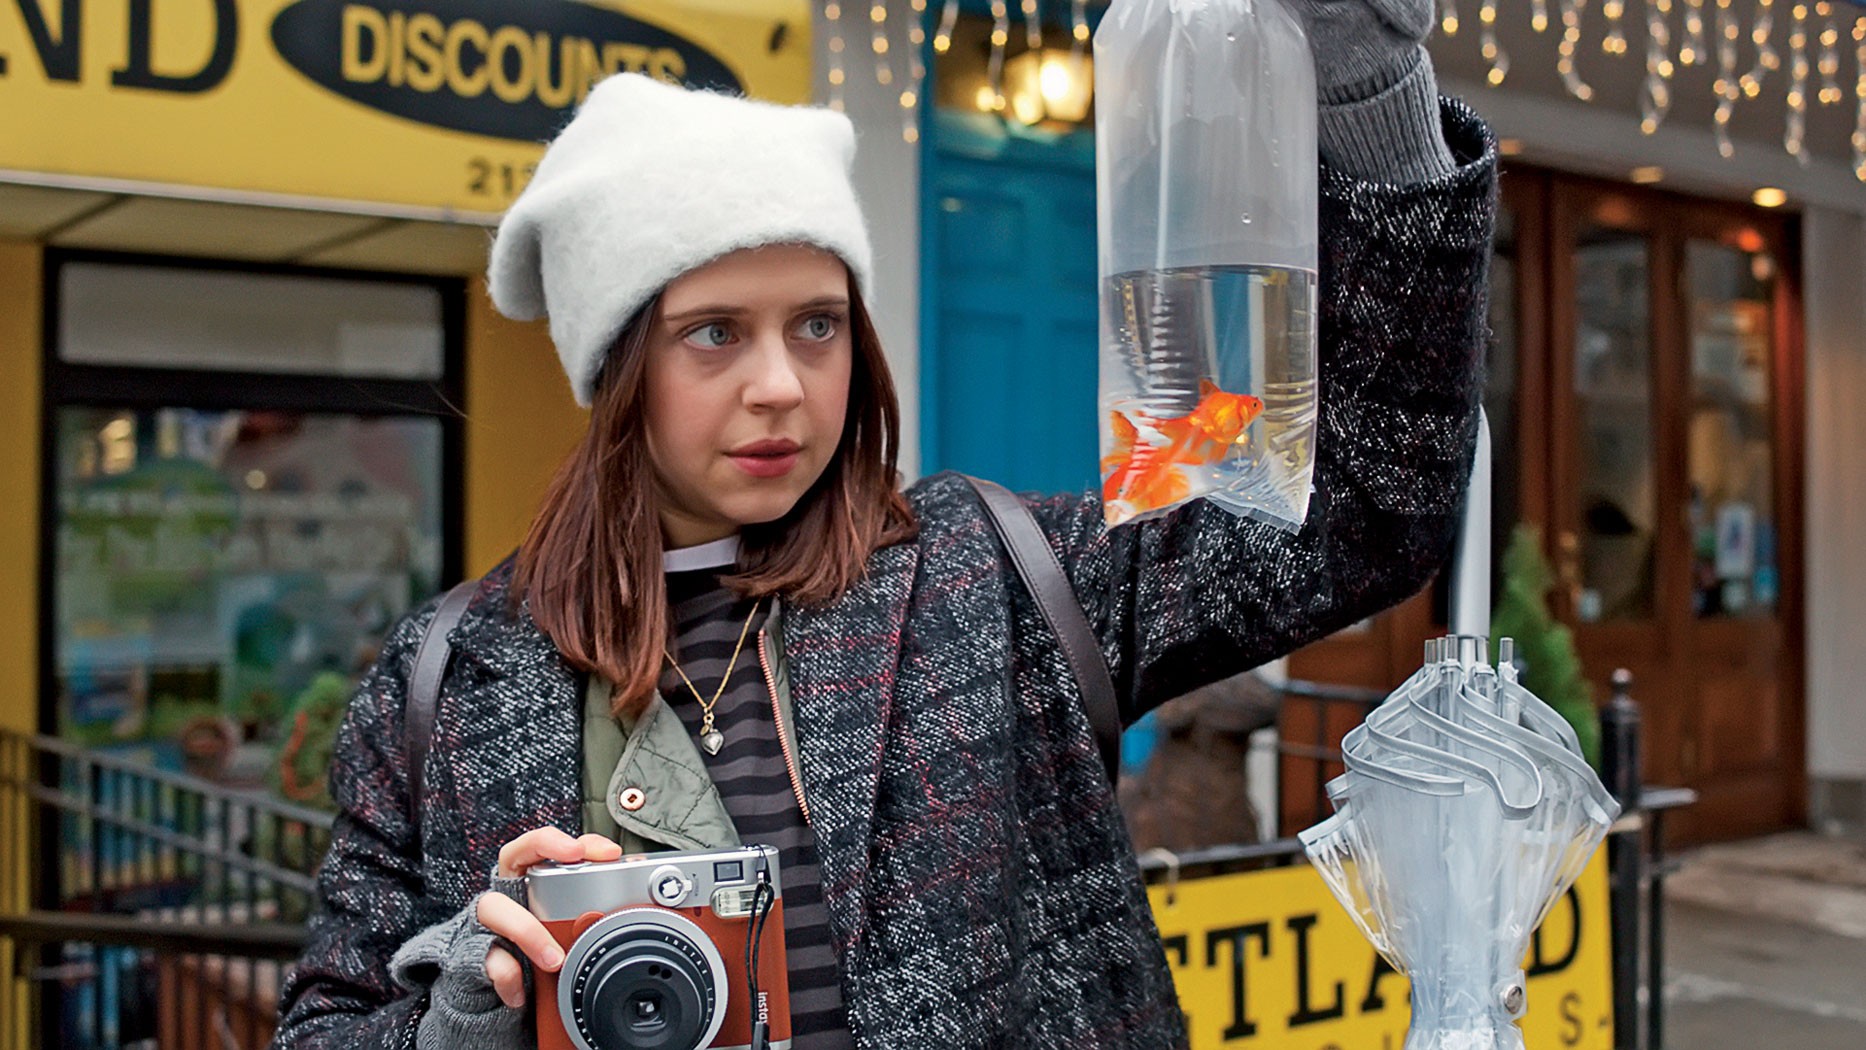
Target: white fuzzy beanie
<point>650,180</point>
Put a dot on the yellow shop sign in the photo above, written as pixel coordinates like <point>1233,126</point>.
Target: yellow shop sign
<point>428,104</point>
<point>1268,959</point>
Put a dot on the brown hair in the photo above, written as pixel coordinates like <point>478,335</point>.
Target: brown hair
<point>590,566</point>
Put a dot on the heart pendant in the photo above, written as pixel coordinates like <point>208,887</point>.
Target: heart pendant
<point>712,741</point>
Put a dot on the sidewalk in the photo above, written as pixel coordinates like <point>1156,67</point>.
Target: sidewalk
<point>1767,946</point>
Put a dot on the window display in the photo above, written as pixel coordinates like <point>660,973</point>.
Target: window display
<point>222,578</point>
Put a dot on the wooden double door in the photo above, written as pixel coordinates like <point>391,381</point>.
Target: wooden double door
<point>1645,395</point>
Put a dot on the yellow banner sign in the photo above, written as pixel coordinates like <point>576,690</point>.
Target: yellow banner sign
<point>1269,959</point>
<point>432,105</point>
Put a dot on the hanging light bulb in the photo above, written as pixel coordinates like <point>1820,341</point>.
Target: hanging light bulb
<point>1830,56</point>
<point>1726,87</point>
<point>1794,139</point>
<point>878,22</point>
<point>1448,16</point>
<point>1655,99</point>
<point>1000,36</point>
<point>1493,52</point>
<point>1614,43</point>
<point>832,14</point>
<point>1539,15</point>
<point>1766,58</point>
<point>1571,11</point>
<point>942,37</point>
<point>1691,49</point>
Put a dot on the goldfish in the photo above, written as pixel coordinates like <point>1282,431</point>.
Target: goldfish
<point>1141,476</point>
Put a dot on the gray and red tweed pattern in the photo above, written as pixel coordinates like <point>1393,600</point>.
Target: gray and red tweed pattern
<point>980,884</point>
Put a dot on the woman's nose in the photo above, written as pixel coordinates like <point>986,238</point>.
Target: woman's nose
<point>774,383</point>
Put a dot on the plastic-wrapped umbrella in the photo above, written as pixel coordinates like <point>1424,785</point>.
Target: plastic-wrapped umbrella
<point>1466,811</point>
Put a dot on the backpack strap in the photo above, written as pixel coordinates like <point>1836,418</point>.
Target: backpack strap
<point>424,689</point>
<point>1043,576</point>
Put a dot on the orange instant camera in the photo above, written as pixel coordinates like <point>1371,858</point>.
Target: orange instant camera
<point>656,952</point>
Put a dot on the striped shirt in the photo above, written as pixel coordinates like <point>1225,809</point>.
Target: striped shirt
<point>754,782</point>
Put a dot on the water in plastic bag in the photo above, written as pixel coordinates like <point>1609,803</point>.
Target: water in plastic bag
<point>1206,192</point>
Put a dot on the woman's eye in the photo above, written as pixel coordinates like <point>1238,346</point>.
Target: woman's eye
<point>819,328</point>
<point>710,336</point>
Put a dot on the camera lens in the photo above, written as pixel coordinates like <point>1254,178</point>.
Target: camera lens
<point>645,986</point>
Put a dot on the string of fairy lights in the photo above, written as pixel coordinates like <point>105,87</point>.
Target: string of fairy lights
<point>1683,33</point>
<point>1807,51</point>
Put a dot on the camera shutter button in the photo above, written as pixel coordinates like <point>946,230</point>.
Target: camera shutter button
<point>632,798</point>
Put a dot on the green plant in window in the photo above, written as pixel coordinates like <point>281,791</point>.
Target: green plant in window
<point>1551,668</point>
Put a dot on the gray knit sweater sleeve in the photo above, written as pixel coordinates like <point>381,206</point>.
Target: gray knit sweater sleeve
<point>1380,116</point>
<point>1393,134</point>
<point>448,961</point>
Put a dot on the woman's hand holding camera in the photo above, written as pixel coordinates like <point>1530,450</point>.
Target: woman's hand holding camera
<point>511,920</point>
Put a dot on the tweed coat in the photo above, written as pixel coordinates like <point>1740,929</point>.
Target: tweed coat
<point>980,885</point>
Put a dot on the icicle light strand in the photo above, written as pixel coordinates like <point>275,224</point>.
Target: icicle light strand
<point>1762,33</point>
<point>1691,50</point>
<point>1033,26</point>
<point>1078,28</point>
<point>1571,11</point>
<point>884,66</point>
<point>1614,43</point>
<point>942,37</point>
<point>1830,56</point>
<point>1539,15</point>
<point>1655,99</point>
<point>916,72</point>
<point>1859,92</point>
<point>1448,16</point>
<point>1493,52</point>
<point>832,14</point>
<point>1794,139</point>
<point>1000,36</point>
<point>1727,87</point>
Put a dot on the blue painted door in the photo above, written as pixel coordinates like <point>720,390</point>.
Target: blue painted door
<point>1008,342</point>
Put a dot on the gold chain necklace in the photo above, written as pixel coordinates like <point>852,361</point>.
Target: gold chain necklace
<point>712,739</point>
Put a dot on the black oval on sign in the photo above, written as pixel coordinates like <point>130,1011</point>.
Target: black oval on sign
<point>514,71</point>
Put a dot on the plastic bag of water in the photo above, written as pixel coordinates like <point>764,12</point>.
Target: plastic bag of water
<point>1205,173</point>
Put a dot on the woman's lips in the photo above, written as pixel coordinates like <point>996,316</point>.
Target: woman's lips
<point>765,459</point>
<point>765,466</point>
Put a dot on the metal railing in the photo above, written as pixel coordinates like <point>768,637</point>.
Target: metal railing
<point>161,907</point>
<point>1311,762</point>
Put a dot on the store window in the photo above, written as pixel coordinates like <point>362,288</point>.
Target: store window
<point>252,477</point>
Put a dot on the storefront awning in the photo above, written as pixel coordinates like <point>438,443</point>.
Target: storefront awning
<point>427,110</point>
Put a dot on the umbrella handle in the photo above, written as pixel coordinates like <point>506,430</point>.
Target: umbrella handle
<point>1470,573</point>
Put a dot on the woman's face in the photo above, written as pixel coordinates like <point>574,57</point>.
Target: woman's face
<point>747,385</point>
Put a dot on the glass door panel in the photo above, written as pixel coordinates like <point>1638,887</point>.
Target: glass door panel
<point>1734,563</point>
<point>1615,544</point>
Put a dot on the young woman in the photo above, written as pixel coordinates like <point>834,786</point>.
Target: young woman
<point>727,623</point>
